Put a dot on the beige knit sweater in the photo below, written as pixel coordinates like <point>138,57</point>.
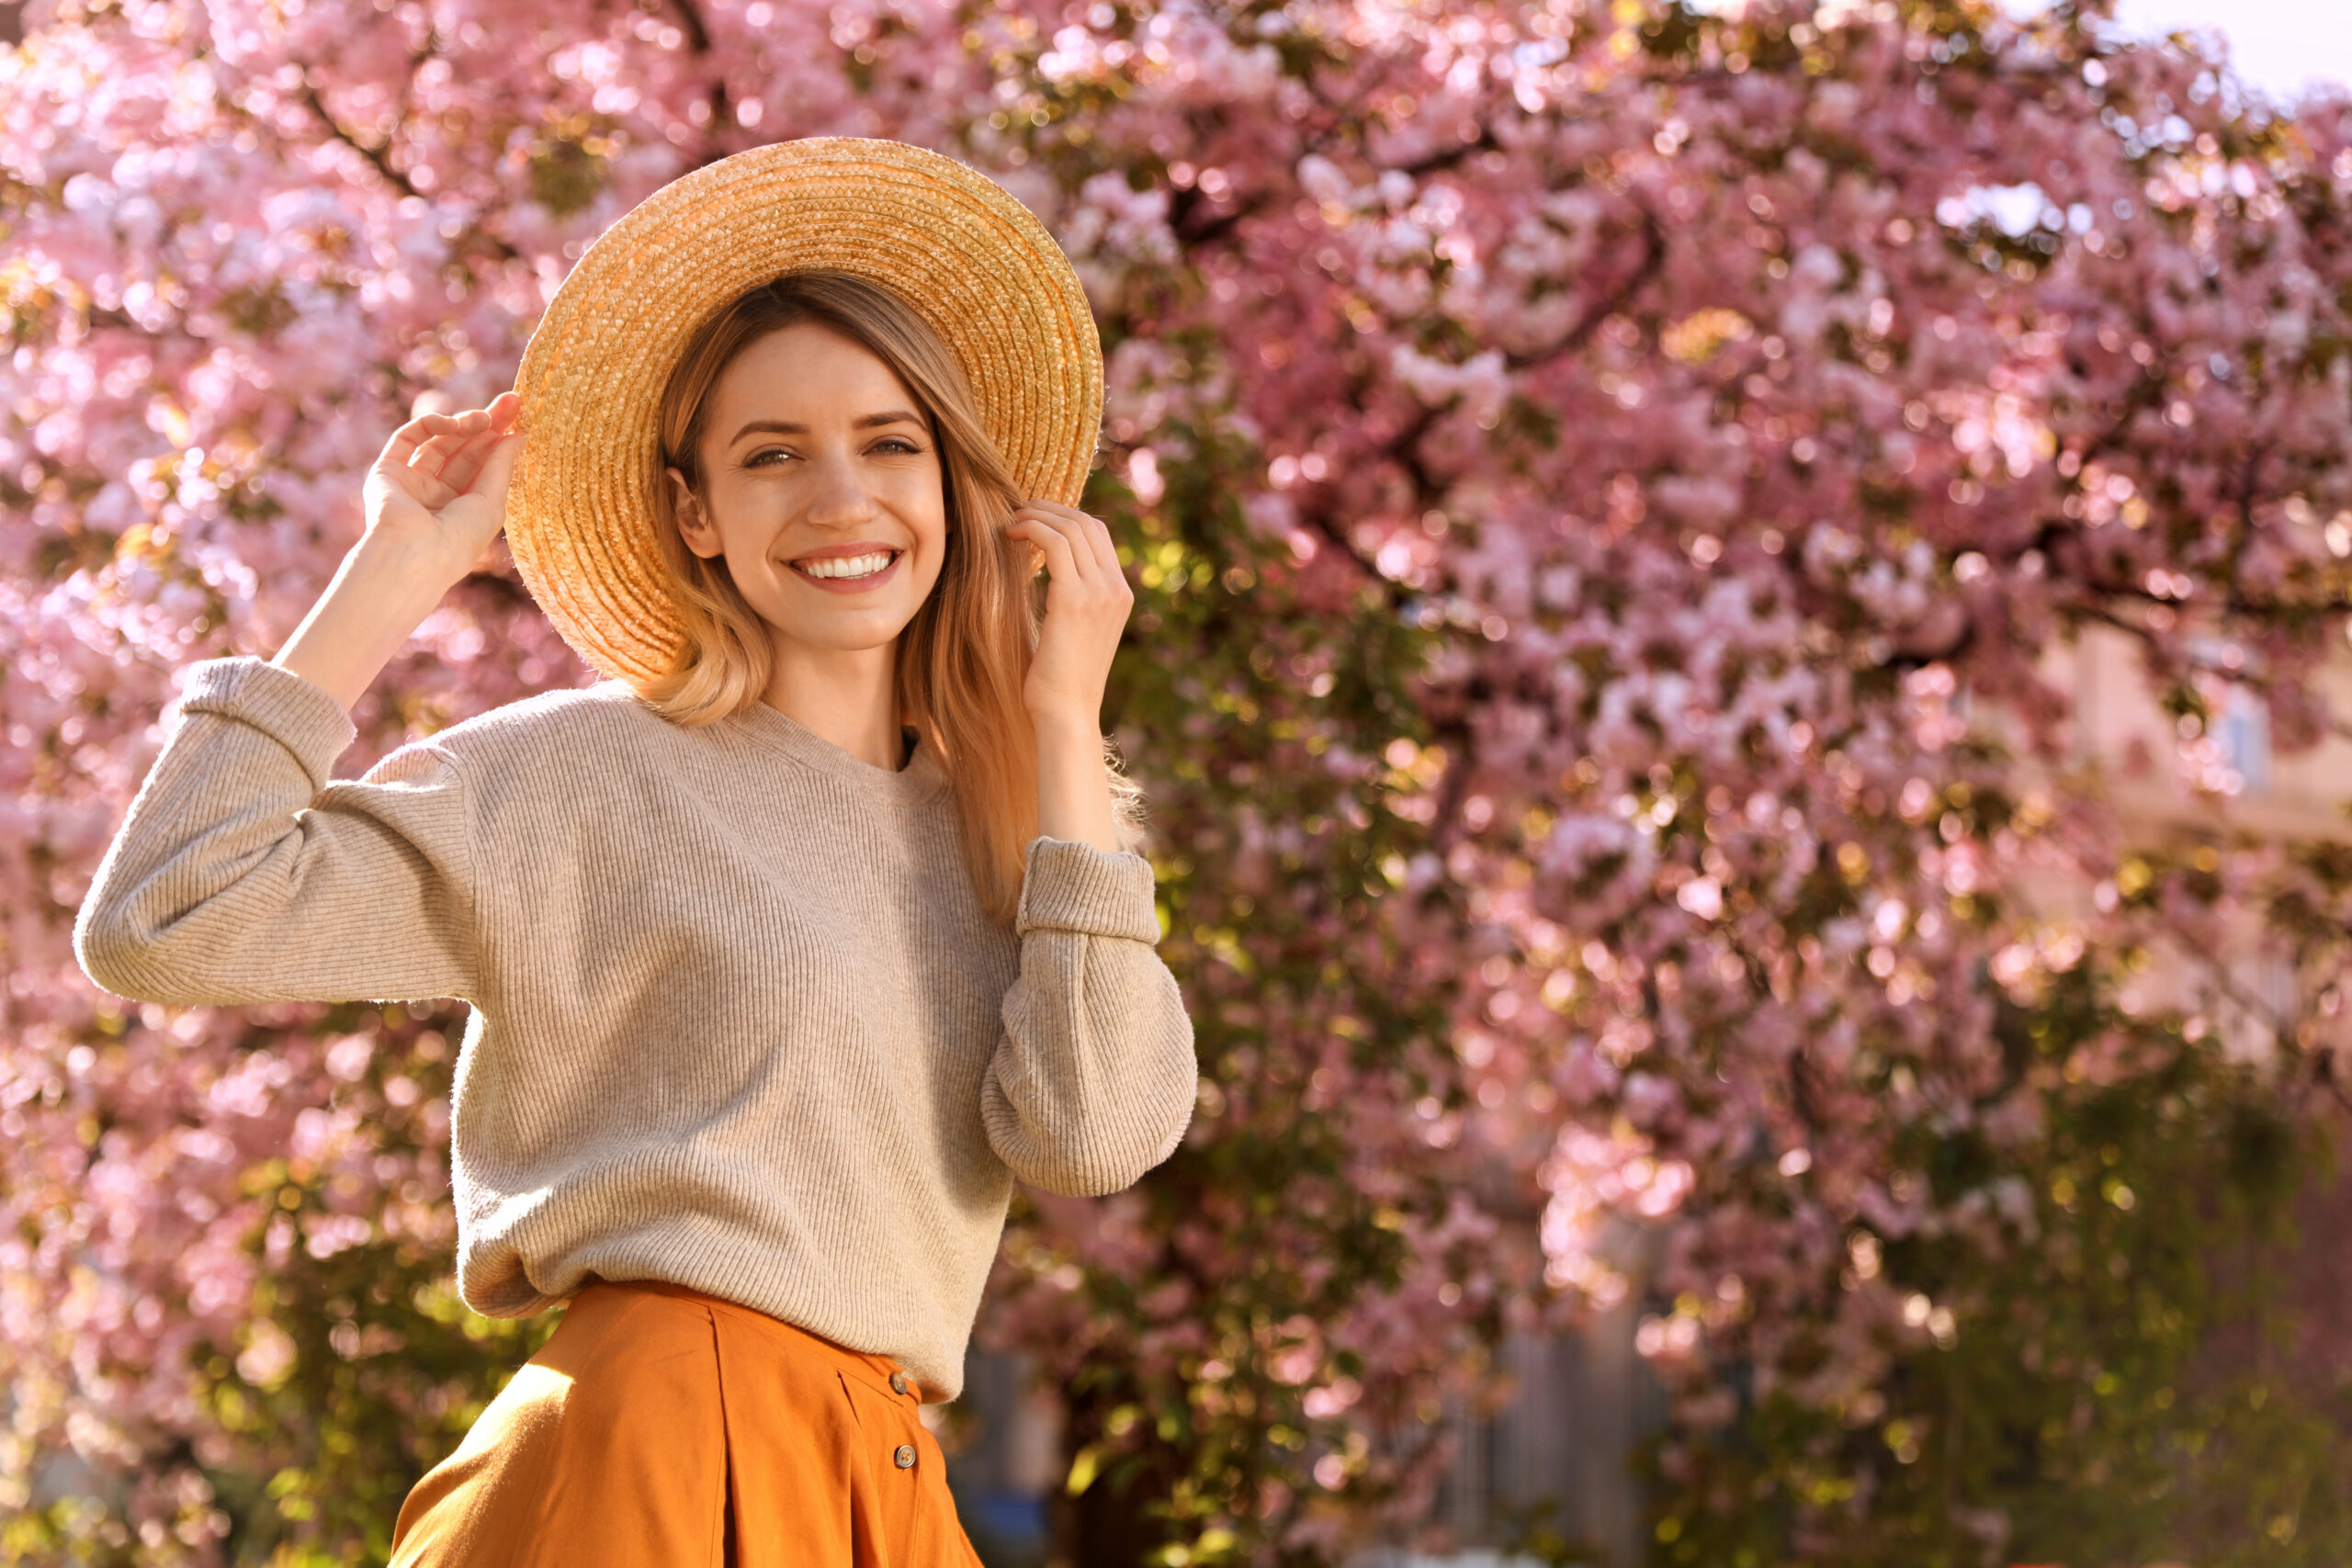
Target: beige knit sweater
<point>739,1019</point>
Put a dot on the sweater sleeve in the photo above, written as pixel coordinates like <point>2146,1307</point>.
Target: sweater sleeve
<point>244,873</point>
<point>1094,1080</point>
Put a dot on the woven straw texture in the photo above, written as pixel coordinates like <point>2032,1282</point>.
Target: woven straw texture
<point>951,242</point>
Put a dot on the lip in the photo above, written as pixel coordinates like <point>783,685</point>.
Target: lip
<point>837,552</point>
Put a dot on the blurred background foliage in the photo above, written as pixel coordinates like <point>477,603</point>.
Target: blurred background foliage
<point>1613,490</point>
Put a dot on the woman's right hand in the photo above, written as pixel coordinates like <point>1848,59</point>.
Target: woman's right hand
<point>436,498</point>
<point>437,491</point>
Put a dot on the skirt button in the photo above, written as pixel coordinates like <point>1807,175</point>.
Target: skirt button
<point>898,1382</point>
<point>905,1456</point>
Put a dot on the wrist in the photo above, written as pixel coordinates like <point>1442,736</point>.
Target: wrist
<point>1062,725</point>
<point>1073,789</point>
<point>403,569</point>
<point>384,587</point>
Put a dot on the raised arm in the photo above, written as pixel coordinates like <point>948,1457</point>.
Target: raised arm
<point>437,497</point>
<point>243,872</point>
<point>243,875</point>
<point>1094,1080</point>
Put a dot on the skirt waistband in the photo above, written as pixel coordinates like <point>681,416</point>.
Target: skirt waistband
<point>880,1373</point>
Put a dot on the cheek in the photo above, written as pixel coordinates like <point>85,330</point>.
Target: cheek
<point>926,511</point>
<point>745,522</point>
<point>929,563</point>
<point>927,504</point>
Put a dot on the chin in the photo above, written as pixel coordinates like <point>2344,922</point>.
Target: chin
<point>852,632</point>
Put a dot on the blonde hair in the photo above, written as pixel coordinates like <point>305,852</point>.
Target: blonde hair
<point>964,657</point>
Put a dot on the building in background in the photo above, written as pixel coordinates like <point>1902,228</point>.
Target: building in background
<point>1003,1441</point>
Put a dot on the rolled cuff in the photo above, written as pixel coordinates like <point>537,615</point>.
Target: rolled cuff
<point>297,713</point>
<point>1077,887</point>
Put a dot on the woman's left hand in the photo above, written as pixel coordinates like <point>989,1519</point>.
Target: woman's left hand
<point>1087,601</point>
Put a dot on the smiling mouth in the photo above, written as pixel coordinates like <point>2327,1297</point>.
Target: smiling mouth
<point>847,569</point>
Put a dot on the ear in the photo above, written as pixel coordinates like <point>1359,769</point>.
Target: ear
<point>693,523</point>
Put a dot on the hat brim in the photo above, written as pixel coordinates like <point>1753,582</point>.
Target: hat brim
<point>949,242</point>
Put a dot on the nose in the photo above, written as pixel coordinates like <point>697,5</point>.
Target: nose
<point>839,498</point>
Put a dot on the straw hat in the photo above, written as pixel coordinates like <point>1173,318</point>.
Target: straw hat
<point>951,243</point>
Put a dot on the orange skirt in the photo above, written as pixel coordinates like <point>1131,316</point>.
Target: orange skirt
<point>661,1427</point>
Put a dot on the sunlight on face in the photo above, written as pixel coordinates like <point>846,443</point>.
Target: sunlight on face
<point>822,488</point>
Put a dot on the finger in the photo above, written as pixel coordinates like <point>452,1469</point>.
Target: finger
<point>461,463</point>
<point>427,437</point>
<point>1047,540</point>
<point>498,470</point>
<point>457,456</point>
<point>1054,510</point>
<point>1068,533</point>
<point>496,416</point>
<point>1061,561</point>
<point>466,432</point>
<point>499,421</point>
<point>1031,559</point>
<point>426,490</point>
<point>404,442</point>
<point>1106,550</point>
<point>1073,562</point>
<point>1090,528</point>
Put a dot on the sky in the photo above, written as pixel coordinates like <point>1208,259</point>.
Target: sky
<point>2279,46</point>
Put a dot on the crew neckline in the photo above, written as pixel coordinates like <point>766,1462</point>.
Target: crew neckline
<point>919,779</point>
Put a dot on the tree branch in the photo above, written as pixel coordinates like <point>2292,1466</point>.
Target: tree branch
<point>697,34</point>
<point>378,157</point>
<point>1653,257</point>
<point>698,44</point>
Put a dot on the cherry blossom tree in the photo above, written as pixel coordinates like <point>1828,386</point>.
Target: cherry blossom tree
<point>1604,484</point>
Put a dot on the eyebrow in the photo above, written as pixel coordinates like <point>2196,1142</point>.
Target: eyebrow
<point>865,422</point>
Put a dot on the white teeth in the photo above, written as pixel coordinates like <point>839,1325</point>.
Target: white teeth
<point>848,566</point>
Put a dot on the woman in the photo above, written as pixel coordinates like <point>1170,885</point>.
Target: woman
<point>791,946</point>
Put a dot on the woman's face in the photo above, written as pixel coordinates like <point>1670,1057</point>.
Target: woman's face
<point>821,488</point>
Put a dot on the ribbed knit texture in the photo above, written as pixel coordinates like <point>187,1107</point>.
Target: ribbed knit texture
<point>739,1022</point>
